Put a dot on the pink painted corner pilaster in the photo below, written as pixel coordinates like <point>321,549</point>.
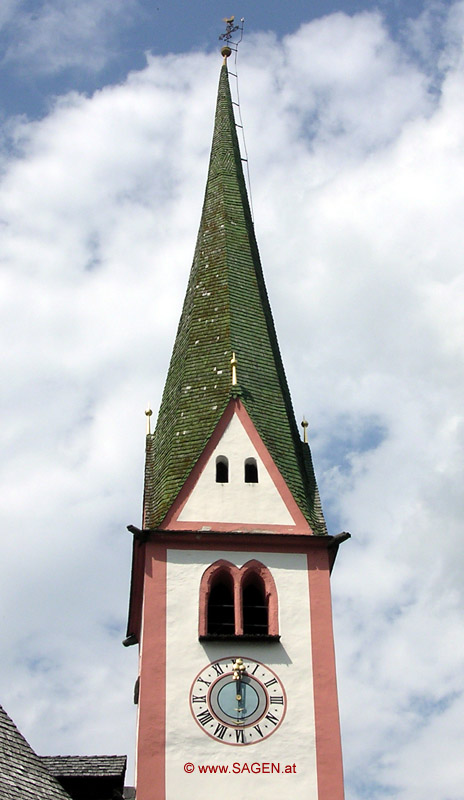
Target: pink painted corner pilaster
<point>151,736</point>
<point>327,720</point>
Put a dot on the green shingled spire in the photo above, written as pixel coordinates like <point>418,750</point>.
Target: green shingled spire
<point>226,310</point>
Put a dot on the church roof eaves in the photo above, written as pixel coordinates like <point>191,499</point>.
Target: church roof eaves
<point>85,766</point>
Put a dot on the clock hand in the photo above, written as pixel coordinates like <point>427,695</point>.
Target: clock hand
<point>238,670</point>
<point>238,690</point>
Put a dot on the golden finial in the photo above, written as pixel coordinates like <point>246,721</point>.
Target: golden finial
<point>304,425</point>
<point>226,52</point>
<point>238,669</point>
<point>233,364</point>
<point>148,414</point>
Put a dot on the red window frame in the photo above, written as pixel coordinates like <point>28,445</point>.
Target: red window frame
<point>239,575</point>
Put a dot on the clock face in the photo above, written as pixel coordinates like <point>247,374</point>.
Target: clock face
<point>238,700</point>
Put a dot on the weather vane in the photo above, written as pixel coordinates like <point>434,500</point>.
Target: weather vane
<point>230,29</point>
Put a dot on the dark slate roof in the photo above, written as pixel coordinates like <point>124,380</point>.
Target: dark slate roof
<point>226,310</point>
<point>23,775</point>
<point>85,766</point>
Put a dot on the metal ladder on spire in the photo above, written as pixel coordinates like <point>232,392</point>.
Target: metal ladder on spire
<point>231,29</point>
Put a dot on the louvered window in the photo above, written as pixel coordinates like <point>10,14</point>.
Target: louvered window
<point>255,607</point>
<point>221,614</point>
<point>238,602</point>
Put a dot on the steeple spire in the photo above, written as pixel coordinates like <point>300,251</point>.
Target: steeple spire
<point>226,317</point>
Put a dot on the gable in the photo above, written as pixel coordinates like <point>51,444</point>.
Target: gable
<point>225,494</point>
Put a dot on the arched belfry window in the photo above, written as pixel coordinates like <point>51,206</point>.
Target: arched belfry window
<point>251,470</point>
<point>254,605</point>
<point>222,469</point>
<point>221,614</point>
<point>238,603</point>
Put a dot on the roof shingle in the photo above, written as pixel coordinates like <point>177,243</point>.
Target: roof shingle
<point>23,775</point>
<point>85,766</point>
<point>226,310</point>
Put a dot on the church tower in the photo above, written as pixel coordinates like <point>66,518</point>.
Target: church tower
<point>230,596</point>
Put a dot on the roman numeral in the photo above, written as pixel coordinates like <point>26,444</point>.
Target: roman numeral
<point>220,731</point>
<point>201,680</point>
<point>278,699</point>
<point>204,717</point>
<point>257,728</point>
<point>272,718</point>
<point>257,665</point>
<point>218,669</point>
<point>270,683</point>
<point>240,736</point>
<point>200,699</point>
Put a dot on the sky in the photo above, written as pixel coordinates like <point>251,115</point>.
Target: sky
<point>354,123</point>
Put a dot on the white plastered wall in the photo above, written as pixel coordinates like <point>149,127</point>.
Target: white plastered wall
<point>293,743</point>
<point>236,501</point>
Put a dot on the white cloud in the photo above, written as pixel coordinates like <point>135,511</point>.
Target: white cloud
<point>357,173</point>
<point>59,34</point>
